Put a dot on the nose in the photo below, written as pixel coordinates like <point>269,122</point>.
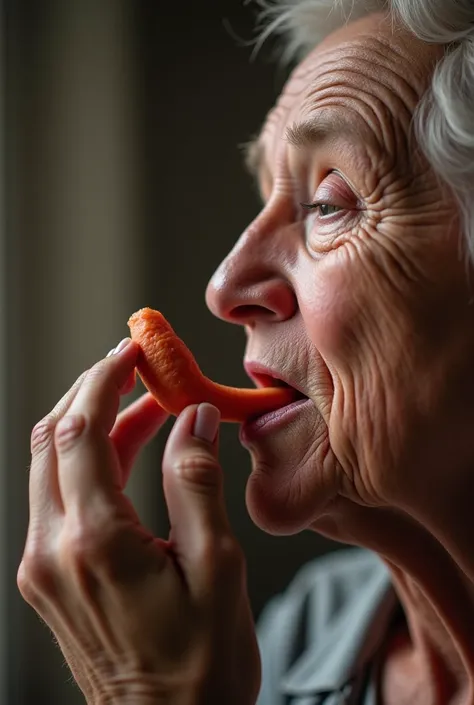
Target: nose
<point>253,282</point>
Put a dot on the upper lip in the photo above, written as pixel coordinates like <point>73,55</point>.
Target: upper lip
<point>263,375</point>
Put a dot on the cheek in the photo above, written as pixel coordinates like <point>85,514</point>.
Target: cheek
<point>330,305</point>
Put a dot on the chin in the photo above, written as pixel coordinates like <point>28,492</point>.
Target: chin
<point>272,516</point>
<point>294,476</point>
<point>283,509</point>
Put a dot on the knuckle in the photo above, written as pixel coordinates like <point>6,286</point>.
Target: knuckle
<point>42,434</point>
<point>78,543</point>
<point>82,426</point>
<point>198,470</point>
<point>36,575</point>
<point>68,431</point>
<point>87,542</point>
<point>25,585</point>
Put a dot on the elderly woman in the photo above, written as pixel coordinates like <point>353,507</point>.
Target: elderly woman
<point>354,285</point>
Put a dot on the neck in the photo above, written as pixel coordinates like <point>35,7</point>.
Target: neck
<point>430,658</point>
<point>433,662</point>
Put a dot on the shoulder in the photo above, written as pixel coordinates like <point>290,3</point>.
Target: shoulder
<point>328,596</point>
<point>334,581</point>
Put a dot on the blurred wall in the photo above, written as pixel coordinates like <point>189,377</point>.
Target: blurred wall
<point>125,189</point>
<point>4,542</point>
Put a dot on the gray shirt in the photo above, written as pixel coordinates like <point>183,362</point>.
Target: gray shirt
<point>320,640</point>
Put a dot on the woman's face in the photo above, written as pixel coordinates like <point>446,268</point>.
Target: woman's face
<point>359,300</point>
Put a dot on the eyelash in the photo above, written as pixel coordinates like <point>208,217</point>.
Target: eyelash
<point>318,205</point>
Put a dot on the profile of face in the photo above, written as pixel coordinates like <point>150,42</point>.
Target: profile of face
<point>359,298</point>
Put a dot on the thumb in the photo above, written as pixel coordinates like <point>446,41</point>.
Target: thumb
<point>193,487</point>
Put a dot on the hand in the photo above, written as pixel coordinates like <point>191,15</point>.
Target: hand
<point>139,619</point>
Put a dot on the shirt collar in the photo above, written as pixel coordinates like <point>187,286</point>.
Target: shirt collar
<point>356,636</point>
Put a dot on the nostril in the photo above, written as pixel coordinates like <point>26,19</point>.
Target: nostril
<point>245,313</point>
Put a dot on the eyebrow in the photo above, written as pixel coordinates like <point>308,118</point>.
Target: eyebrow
<point>311,132</point>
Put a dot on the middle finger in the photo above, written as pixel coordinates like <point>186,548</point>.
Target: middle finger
<point>134,427</point>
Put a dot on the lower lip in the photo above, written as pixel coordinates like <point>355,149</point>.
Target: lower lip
<point>268,423</point>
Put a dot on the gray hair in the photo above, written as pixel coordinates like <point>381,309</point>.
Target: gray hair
<point>444,118</point>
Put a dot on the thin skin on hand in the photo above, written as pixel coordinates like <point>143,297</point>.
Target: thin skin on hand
<point>139,619</point>
<point>172,375</point>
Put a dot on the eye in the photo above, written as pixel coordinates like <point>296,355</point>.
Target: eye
<point>324,209</point>
<point>333,213</point>
<point>333,199</point>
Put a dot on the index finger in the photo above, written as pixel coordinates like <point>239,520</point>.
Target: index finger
<point>88,465</point>
<point>44,492</point>
<point>99,395</point>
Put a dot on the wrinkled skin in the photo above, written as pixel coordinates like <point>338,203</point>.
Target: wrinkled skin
<point>139,620</point>
<point>366,306</point>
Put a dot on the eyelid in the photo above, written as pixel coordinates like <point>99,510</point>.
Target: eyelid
<point>346,181</point>
<point>329,192</point>
<point>341,203</point>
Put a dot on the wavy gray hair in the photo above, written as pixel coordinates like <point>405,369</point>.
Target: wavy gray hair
<point>444,119</point>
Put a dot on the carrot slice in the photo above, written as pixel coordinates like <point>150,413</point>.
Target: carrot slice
<point>170,372</point>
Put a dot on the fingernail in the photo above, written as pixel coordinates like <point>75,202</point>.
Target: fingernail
<point>110,352</point>
<point>121,346</point>
<point>206,422</point>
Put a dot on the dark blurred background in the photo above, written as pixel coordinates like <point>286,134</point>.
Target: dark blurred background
<point>124,187</point>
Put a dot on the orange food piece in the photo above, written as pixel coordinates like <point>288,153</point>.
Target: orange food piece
<point>170,372</point>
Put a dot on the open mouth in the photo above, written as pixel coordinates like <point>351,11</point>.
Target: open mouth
<point>264,380</point>
<point>262,424</point>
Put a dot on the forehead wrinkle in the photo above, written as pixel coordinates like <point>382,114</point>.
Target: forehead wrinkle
<point>392,57</point>
<point>377,139</point>
<point>391,82</point>
<point>387,85</point>
<point>358,55</point>
<point>389,57</point>
<point>372,113</point>
<point>379,107</point>
<point>401,68</point>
